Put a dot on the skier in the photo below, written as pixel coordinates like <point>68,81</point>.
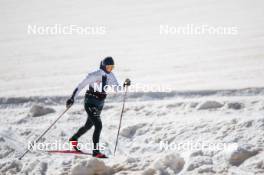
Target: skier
<point>94,102</point>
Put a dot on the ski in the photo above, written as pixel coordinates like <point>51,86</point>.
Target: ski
<point>73,152</point>
<point>68,152</point>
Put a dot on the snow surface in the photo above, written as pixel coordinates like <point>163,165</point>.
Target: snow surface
<point>145,124</point>
<point>217,86</point>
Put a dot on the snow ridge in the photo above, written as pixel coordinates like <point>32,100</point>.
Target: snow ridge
<point>136,96</point>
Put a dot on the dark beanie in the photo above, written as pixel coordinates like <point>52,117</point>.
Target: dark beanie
<point>108,61</point>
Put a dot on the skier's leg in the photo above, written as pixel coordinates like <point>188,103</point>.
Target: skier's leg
<point>97,132</point>
<point>96,137</point>
<point>83,129</point>
<point>88,124</point>
<point>94,117</point>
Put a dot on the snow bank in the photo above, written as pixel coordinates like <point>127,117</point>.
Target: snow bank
<point>91,167</point>
<point>131,130</point>
<point>142,130</point>
<point>171,163</point>
<point>37,110</point>
<point>52,100</point>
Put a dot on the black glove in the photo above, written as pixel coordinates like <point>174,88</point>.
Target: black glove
<point>69,102</point>
<point>127,82</point>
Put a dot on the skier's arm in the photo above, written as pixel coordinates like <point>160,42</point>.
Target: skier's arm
<point>89,79</point>
<point>114,83</point>
<point>117,86</point>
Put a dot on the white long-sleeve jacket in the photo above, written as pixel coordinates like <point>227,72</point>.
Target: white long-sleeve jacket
<point>95,78</point>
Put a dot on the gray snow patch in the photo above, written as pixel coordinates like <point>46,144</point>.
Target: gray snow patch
<point>37,110</point>
<point>5,151</point>
<point>193,104</point>
<point>235,106</point>
<point>198,161</point>
<point>242,153</point>
<point>210,105</point>
<point>206,169</point>
<point>10,167</point>
<point>2,139</point>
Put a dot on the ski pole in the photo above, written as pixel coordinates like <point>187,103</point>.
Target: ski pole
<point>121,116</point>
<point>31,145</point>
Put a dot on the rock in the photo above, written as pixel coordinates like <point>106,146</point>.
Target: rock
<point>210,105</point>
<point>235,106</point>
<point>242,153</point>
<point>37,110</point>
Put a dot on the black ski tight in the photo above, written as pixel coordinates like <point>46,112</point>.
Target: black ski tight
<point>93,119</point>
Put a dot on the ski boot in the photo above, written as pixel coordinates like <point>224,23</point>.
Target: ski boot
<point>74,144</point>
<point>97,154</point>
